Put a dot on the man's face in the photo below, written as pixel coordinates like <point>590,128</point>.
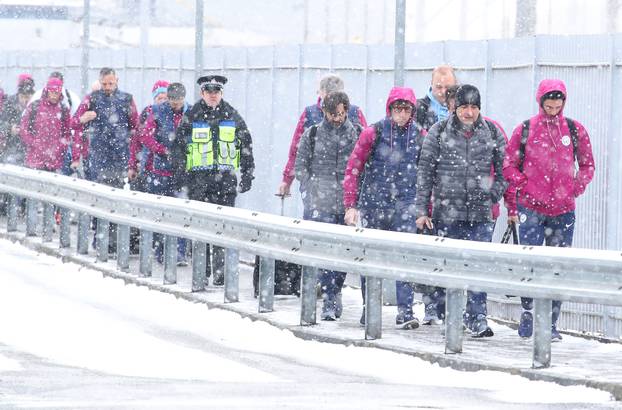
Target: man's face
<point>467,113</point>
<point>552,107</point>
<point>212,97</point>
<point>160,98</point>
<point>176,104</point>
<point>440,83</point>
<point>401,113</point>
<point>108,83</point>
<point>23,99</point>
<point>54,96</point>
<point>338,117</point>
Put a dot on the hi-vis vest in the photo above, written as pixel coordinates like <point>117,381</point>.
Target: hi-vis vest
<point>213,146</point>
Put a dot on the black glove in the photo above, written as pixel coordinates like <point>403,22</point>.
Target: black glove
<point>245,183</point>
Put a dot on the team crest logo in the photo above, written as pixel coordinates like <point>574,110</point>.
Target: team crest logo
<point>566,140</point>
<point>523,218</point>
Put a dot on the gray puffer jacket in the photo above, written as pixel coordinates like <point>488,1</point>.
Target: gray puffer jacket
<point>321,164</point>
<point>456,171</point>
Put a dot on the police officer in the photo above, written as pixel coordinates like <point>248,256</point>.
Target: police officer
<point>211,144</point>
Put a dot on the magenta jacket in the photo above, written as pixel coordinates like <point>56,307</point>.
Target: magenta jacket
<point>365,145</point>
<point>47,141</point>
<point>549,182</point>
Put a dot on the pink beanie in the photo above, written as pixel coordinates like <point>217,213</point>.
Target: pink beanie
<point>159,87</point>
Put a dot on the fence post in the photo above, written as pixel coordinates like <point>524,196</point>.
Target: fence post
<point>84,226</point>
<point>145,253</point>
<point>454,333</point>
<point>11,221</point>
<point>308,298</point>
<point>170,259</point>
<point>542,333</point>
<point>123,248</point>
<point>373,307</point>
<point>65,228</point>
<point>232,287</point>
<point>266,284</point>
<point>102,239</point>
<point>199,254</point>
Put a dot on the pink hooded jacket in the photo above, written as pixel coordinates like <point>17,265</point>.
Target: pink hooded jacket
<point>549,183</point>
<point>49,137</point>
<point>365,144</point>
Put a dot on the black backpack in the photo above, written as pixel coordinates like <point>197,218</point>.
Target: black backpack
<point>574,134</point>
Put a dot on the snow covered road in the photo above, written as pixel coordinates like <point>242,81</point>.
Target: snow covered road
<point>70,338</point>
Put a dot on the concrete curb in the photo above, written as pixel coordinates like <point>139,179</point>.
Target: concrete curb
<point>443,360</point>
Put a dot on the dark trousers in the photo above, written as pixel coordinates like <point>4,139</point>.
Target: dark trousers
<point>219,189</point>
<point>537,229</point>
<point>393,220</point>
<point>469,231</point>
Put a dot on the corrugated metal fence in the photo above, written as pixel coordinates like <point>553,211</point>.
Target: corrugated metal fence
<point>271,85</point>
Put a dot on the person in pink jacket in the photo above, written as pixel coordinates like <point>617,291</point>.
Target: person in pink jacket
<point>45,129</point>
<point>540,164</point>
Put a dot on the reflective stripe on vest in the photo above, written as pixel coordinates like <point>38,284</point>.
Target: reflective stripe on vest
<point>201,153</point>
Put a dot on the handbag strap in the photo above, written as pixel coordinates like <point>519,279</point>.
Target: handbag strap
<point>510,232</point>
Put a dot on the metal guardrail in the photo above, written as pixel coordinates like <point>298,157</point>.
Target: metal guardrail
<point>578,275</point>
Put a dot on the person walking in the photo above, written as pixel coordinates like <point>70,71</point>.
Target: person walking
<point>211,145</point>
<point>45,129</point>
<point>103,125</point>
<point>540,165</point>
<point>433,107</point>
<point>321,160</point>
<point>380,183</point>
<point>454,172</point>
<point>157,136</point>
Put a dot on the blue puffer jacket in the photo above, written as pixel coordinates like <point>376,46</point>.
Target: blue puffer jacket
<point>390,177</point>
<point>110,131</point>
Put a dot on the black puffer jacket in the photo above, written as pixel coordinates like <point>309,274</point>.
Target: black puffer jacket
<point>456,171</point>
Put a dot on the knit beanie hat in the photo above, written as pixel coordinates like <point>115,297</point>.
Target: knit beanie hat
<point>25,84</point>
<point>159,87</point>
<point>54,84</point>
<point>468,94</point>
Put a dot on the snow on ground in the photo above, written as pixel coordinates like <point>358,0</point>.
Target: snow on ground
<point>70,315</point>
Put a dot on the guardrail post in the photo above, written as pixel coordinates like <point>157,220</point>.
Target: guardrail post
<point>123,248</point>
<point>145,250</point>
<point>266,284</point>
<point>48,222</point>
<point>103,239</point>
<point>542,333</point>
<point>454,333</point>
<point>373,307</point>
<point>31,217</point>
<point>199,255</point>
<point>232,286</point>
<point>308,297</point>
<point>84,227</point>
<point>11,221</point>
<point>64,238</point>
<point>170,259</point>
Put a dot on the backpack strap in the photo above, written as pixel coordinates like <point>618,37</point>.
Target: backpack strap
<point>523,141</point>
<point>34,108</point>
<point>574,134</point>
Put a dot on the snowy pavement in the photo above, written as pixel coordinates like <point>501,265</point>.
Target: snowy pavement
<point>574,361</point>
